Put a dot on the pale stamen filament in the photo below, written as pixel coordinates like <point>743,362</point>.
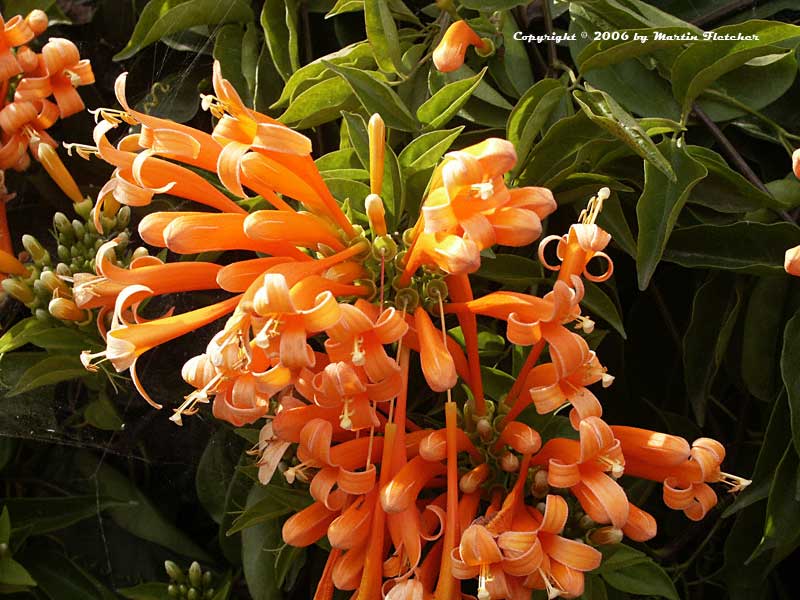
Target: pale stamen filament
<point>190,402</point>
<point>85,151</point>
<point>344,418</point>
<point>358,356</point>
<point>113,116</point>
<point>734,482</point>
<point>215,105</point>
<point>617,468</point>
<point>87,359</point>
<point>552,588</point>
<point>585,323</point>
<point>297,472</point>
<point>485,189</point>
<point>484,577</point>
<point>589,215</point>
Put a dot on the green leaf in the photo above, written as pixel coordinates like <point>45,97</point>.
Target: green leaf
<point>790,358</point>
<point>161,18</point>
<point>425,151</point>
<point>228,51</point>
<point>603,110</point>
<point>279,22</point>
<point>786,192</point>
<point>55,15</point>
<point>700,65</point>
<point>37,516</point>
<point>599,304</point>
<point>631,571</point>
<point>377,97</point>
<point>382,35</point>
<point>215,471</point>
<point>723,189</point>
<point>437,80</point>
<point>529,117</point>
<point>747,247</point>
<point>322,102</point>
<point>511,68</point>
<point>14,574</point>
<point>23,333</point>
<point>776,438</point>
<point>145,591</point>
<point>490,5</point>
<point>763,324</point>
<point>783,511</point>
<point>660,204</point>
<point>358,55</point>
<point>259,545</point>
<point>445,103</point>
<point>5,525</point>
<point>139,517</point>
<point>250,58</point>
<point>276,502</point>
<point>511,269</point>
<point>714,312</point>
<point>59,578</point>
<point>603,53</point>
<point>612,219</point>
<point>53,368</point>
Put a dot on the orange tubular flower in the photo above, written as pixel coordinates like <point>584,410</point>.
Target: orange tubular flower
<point>449,54</point>
<point>64,72</point>
<point>14,32</point>
<point>584,242</point>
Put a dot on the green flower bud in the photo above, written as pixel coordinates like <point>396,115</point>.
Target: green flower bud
<point>109,224</point>
<point>18,290</point>
<point>42,315</point>
<point>36,250</point>
<point>172,590</point>
<point>182,589</point>
<point>78,228</point>
<point>207,578</point>
<point>140,252</point>
<point>209,593</point>
<point>174,571</point>
<point>63,270</point>
<point>90,226</point>
<point>84,209</point>
<point>193,594</point>
<point>61,223</point>
<point>196,574</point>
<point>63,252</point>
<point>123,217</point>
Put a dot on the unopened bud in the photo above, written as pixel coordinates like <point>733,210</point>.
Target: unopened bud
<point>18,290</point>
<point>37,21</point>
<point>79,229</point>
<point>604,536</point>
<point>174,571</point>
<point>63,270</point>
<point>384,248</point>
<point>509,462</point>
<point>193,594</point>
<point>53,282</point>
<point>470,481</point>
<point>376,130</point>
<point>140,252</point>
<point>376,214</point>
<point>66,310</point>
<point>195,575</point>
<point>540,487</point>
<point>484,428</point>
<point>123,217</point>
<point>207,578</point>
<point>586,522</point>
<point>36,250</point>
<point>84,208</point>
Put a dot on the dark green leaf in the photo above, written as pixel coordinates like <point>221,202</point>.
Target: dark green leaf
<point>446,102</point>
<point>783,511</point>
<point>786,192</point>
<point>426,151</point>
<point>145,591</point>
<point>603,110</point>
<point>23,333</point>
<point>790,358</point>
<point>763,324</point>
<point>215,471</point>
<point>511,68</point>
<point>278,20</point>
<point>748,247</point>
<point>660,204</point>
<point>161,18</point>
<point>714,312</point>
<point>600,305</point>
<point>511,269</point>
<point>377,97</point>
<point>603,53</point>
<point>59,577</point>
<point>139,517</point>
<point>228,51</point>
<point>53,368</point>
<point>37,516</point>
<point>529,117</point>
<point>5,525</point>
<point>723,189</point>
<point>627,572</point>
<point>703,63</point>
<point>274,503</point>
<point>260,544</point>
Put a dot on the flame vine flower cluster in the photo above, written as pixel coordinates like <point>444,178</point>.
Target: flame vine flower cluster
<point>323,325</point>
<point>36,89</point>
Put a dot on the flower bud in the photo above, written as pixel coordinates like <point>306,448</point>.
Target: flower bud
<point>18,290</point>
<point>604,536</point>
<point>509,462</point>
<point>36,250</point>
<point>37,20</point>
<point>65,309</point>
<point>792,261</point>
<point>174,571</point>
<point>540,487</point>
<point>195,575</point>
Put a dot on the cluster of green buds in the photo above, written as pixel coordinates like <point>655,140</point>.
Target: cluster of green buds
<point>47,288</point>
<point>193,585</point>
